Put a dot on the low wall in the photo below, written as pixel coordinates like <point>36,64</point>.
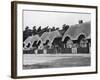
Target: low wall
<point>58,51</point>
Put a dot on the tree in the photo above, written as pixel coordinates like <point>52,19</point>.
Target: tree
<point>57,28</point>
<point>34,30</point>
<point>65,27</point>
<point>26,33</point>
<point>53,28</point>
<point>39,29</point>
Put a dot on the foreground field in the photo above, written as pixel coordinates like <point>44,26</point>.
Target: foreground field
<point>31,61</point>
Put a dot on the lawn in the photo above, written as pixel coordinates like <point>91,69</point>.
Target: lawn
<point>38,62</point>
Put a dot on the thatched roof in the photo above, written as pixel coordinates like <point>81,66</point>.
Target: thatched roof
<point>88,37</point>
<point>45,36</point>
<point>54,34</point>
<point>50,35</point>
<point>76,30</point>
<point>32,38</point>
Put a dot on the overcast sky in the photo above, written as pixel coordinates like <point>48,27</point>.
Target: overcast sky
<point>57,19</point>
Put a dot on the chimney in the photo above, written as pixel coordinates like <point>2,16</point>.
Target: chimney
<point>80,21</point>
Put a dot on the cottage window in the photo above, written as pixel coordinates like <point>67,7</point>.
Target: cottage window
<point>69,44</point>
<point>83,43</point>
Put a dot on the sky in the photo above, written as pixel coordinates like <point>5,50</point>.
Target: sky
<point>56,19</point>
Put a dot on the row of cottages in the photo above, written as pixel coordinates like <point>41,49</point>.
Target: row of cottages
<point>76,39</point>
<point>46,39</point>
